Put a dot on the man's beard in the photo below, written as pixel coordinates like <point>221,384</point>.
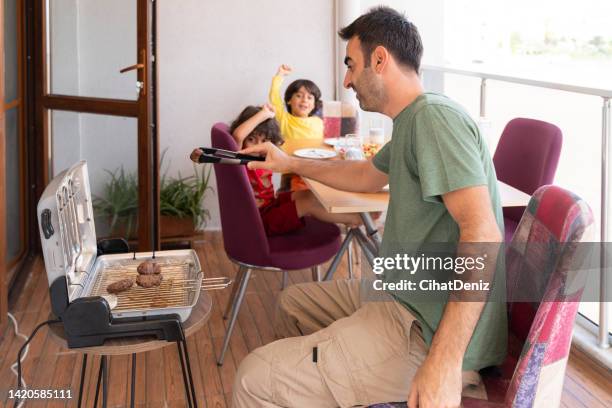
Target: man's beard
<point>371,93</point>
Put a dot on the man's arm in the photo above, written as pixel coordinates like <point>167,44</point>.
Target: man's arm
<point>347,175</point>
<point>437,382</point>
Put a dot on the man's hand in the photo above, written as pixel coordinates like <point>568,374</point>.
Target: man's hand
<point>276,159</point>
<point>268,111</point>
<point>437,384</point>
<point>195,155</point>
<point>284,70</point>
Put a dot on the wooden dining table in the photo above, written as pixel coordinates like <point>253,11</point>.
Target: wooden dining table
<point>338,201</point>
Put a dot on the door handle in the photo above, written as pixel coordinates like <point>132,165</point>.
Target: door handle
<point>131,68</point>
<point>142,85</point>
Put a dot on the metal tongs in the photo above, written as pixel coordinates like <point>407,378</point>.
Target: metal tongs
<point>212,155</point>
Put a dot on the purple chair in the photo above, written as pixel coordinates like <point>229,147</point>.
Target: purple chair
<point>526,158</point>
<point>245,239</point>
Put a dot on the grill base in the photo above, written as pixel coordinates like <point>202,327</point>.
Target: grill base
<point>88,322</point>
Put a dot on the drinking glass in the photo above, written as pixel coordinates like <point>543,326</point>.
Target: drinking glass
<point>349,147</point>
<point>377,132</point>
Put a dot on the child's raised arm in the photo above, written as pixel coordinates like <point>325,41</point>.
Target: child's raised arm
<point>275,95</point>
<point>245,128</point>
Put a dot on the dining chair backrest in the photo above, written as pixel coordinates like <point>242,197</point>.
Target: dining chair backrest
<point>543,261</point>
<point>526,157</point>
<point>244,235</point>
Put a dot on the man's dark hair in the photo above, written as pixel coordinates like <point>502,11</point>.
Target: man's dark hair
<point>310,87</point>
<point>269,127</point>
<point>390,29</point>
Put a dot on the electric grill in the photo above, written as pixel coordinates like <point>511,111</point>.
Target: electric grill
<point>78,275</point>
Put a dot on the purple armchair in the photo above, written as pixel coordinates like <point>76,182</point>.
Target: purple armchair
<point>244,237</point>
<point>526,158</point>
<point>542,257</point>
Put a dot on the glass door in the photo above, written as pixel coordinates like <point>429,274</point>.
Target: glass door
<point>13,156</point>
<point>94,79</point>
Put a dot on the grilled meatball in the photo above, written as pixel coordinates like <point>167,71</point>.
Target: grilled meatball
<point>149,268</point>
<point>120,286</point>
<point>149,281</point>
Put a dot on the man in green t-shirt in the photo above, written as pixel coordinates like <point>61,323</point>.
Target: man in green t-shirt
<point>353,351</point>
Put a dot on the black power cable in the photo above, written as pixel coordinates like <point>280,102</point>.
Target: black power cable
<point>23,348</point>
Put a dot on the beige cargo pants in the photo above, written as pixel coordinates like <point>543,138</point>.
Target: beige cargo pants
<point>346,352</point>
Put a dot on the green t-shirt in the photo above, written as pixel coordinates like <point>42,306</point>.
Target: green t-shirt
<point>437,148</point>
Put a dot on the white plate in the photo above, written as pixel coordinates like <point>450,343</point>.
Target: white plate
<point>315,153</point>
<point>331,141</point>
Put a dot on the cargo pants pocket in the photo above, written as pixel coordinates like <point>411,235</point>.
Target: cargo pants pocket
<point>337,375</point>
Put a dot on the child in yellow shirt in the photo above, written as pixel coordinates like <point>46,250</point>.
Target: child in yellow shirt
<point>302,100</point>
<point>298,122</point>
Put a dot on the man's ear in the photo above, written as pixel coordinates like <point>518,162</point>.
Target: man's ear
<point>379,59</point>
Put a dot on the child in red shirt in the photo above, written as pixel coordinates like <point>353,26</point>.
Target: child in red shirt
<point>284,212</point>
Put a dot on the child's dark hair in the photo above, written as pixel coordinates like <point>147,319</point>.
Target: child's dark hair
<point>269,127</point>
<point>310,87</point>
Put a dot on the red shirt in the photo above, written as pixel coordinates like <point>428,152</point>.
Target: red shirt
<point>261,182</point>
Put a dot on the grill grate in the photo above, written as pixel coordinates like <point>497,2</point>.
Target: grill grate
<point>178,287</point>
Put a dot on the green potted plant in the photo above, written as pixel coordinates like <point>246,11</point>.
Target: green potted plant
<point>119,203</point>
<point>181,202</point>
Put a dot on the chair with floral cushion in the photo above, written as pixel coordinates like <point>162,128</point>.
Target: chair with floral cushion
<point>542,262</point>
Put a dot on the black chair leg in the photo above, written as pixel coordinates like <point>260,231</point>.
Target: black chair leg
<point>83,368</point>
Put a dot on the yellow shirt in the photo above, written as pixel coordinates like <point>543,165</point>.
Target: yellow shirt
<point>293,127</point>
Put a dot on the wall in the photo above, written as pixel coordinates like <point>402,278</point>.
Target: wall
<point>216,57</point>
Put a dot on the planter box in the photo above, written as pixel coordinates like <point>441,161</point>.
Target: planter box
<point>175,227</point>
<point>170,227</point>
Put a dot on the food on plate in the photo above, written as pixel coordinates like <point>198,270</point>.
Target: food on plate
<point>149,268</point>
<point>120,286</point>
<point>370,149</point>
<point>149,281</point>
